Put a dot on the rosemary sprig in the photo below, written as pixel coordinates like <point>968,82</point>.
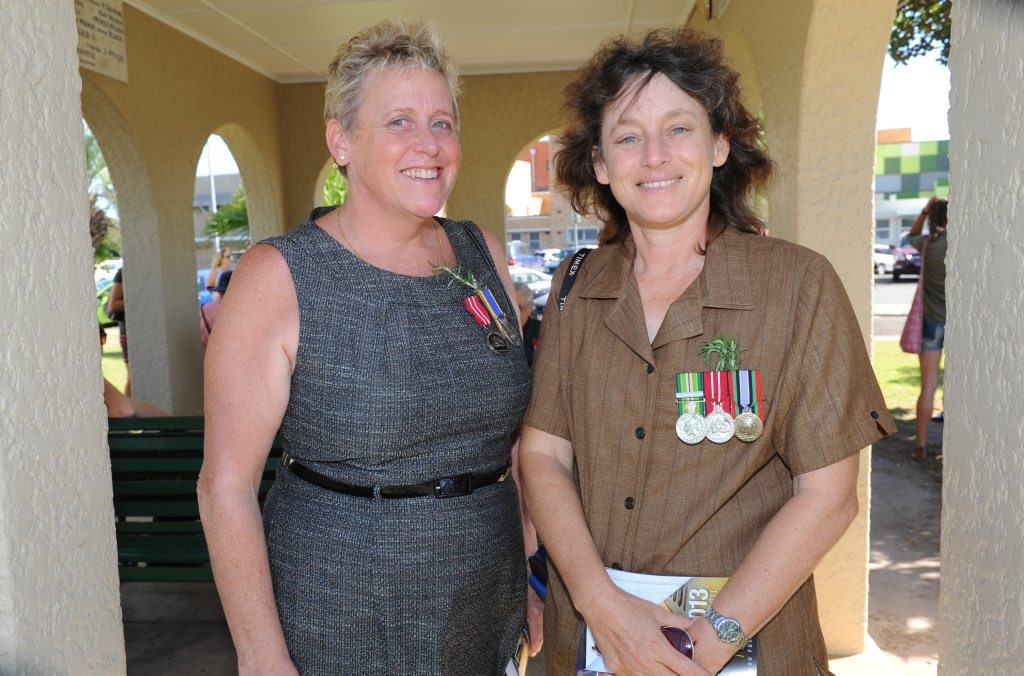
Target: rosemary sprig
<point>726,349</point>
<point>457,274</point>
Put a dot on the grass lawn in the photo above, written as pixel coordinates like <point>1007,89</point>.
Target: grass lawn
<point>114,368</point>
<point>900,377</point>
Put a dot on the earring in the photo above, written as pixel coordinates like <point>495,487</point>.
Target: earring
<point>341,158</point>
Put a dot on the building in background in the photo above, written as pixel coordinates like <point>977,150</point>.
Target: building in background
<point>203,209</point>
<point>907,174</point>
<point>535,212</point>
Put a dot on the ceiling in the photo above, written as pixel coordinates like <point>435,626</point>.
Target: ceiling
<point>295,40</point>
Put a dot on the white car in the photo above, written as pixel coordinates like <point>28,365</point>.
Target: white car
<point>539,282</point>
<point>884,259</point>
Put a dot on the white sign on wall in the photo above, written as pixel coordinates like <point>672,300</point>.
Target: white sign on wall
<point>101,46</point>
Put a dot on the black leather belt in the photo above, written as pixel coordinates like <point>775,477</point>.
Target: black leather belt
<point>444,487</point>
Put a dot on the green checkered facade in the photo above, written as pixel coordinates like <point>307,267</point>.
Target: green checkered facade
<point>912,170</point>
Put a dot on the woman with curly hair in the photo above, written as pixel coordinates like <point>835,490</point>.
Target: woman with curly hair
<point>700,402</point>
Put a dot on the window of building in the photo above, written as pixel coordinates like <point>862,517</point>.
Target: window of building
<point>882,231</point>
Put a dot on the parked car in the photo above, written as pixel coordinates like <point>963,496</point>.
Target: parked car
<point>908,260</point>
<point>522,254</point>
<point>884,259</point>
<point>539,282</point>
<point>551,266</point>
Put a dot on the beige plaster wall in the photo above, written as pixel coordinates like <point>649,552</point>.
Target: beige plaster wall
<point>981,629</point>
<point>500,114</point>
<point>816,66</point>
<point>303,148</point>
<point>178,93</point>
<point>59,611</point>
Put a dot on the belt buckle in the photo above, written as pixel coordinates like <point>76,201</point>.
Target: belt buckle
<point>453,486</point>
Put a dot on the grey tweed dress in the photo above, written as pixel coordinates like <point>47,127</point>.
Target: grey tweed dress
<point>394,384</point>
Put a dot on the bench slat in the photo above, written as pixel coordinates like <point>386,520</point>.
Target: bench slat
<point>155,464</point>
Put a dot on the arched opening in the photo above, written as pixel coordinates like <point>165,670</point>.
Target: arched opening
<point>541,227</point>
<point>105,236</point>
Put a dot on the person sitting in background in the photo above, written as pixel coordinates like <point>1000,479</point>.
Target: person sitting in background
<point>208,312</point>
<point>120,405</point>
<point>220,264</point>
<point>529,324</point>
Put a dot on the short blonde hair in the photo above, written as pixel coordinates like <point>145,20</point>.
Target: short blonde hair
<point>388,44</point>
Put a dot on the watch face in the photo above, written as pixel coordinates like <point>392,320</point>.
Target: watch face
<point>729,630</point>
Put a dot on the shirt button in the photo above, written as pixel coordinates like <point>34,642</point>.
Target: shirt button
<point>640,433</point>
<point>630,503</point>
<point>874,414</point>
<point>650,368</point>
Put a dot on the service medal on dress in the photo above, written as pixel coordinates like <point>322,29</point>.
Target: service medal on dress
<point>746,387</point>
<point>690,400</point>
<point>484,309</point>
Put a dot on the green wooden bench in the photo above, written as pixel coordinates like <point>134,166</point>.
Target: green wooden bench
<point>155,464</point>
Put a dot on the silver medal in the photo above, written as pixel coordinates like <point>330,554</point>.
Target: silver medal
<point>690,428</point>
<point>719,425</point>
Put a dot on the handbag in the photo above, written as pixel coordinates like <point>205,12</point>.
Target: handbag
<point>913,328</point>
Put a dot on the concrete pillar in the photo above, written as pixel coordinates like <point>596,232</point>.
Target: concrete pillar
<point>981,608</point>
<point>59,610</point>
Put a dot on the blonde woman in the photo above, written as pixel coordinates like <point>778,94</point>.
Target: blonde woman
<point>391,541</point>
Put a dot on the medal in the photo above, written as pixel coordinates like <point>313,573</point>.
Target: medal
<point>500,318</point>
<point>496,342</point>
<point>747,387</point>
<point>690,399</point>
<point>719,425</point>
<point>483,307</point>
<point>748,426</point>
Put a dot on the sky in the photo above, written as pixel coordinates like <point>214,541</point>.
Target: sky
<point>914,95</point>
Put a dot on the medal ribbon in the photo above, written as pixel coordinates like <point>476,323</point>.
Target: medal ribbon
<point>690,393</point>
<point>747,387</point>
<point>718,389</point>
<point>495,310</point>
<point>476,308</point>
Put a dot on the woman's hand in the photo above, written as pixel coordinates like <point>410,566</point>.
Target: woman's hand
<point>534,619</point>
<point>627,632</point>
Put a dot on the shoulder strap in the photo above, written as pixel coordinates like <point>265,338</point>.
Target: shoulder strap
<point>570,276</point>
<point>477,237</point>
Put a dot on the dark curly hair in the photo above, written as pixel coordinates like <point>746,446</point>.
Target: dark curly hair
<point>696,64</point>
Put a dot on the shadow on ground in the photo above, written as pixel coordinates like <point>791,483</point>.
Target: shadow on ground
<point>906,504</point>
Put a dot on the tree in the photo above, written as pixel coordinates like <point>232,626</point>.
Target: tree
<point>920,27</point>
<point>231,217</point>
<point>335,188</point>
<point>103,228</point>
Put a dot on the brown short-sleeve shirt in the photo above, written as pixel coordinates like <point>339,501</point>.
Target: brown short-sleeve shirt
<point>656,505</point>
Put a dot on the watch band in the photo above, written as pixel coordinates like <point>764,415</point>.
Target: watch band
<point>726,629</point>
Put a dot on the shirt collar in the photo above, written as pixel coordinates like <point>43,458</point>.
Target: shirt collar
<point>724,281</point>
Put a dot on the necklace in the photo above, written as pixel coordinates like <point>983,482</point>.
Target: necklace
<point>341,232</point>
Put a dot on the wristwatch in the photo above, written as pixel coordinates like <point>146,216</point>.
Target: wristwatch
<point>727,629</point>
